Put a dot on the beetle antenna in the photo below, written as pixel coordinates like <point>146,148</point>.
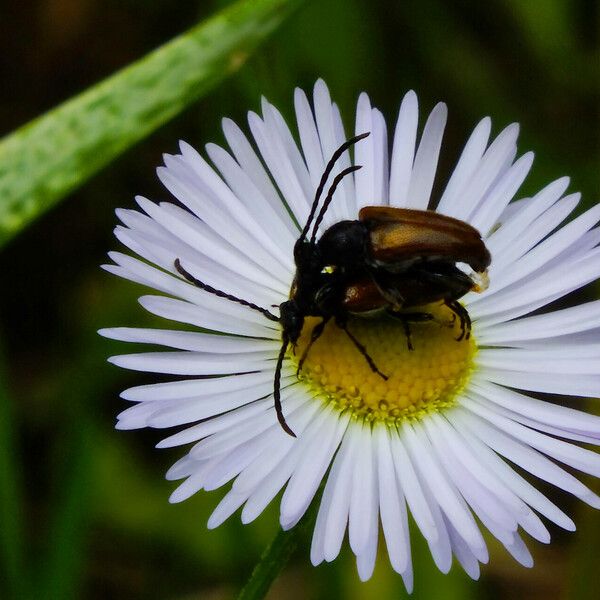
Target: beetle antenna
<point>220,294</point>
<point>325,176</point>
<point>329,197</point>
<point>277,390</point>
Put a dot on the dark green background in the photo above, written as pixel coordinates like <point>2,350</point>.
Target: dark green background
<point>95,517</point>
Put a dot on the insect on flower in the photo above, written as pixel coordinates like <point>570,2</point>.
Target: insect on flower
<point>389,260</point>
<point>437,439</point>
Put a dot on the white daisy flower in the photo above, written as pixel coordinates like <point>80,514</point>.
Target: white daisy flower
<point>437,438</point>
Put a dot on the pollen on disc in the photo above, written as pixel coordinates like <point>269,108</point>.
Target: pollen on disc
<point>419,381</point>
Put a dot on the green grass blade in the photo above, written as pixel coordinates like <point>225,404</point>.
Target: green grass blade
<point>12,575</point>
<point>46,159</point>
<point>60,572</point>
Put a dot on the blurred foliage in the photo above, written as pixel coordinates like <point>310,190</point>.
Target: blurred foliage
<point>62,149</point>
<point>84,512</point>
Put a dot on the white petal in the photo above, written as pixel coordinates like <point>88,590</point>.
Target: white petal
<point>306,478</point>
<point>408,579</point>
<point>409,484</point>
<point>518,550</point>
<point>364,180</point>
<point>446,496</point>
<point>164,253</point>
<point>391,503</point>
<point>165,282</point>
<point>222,422</point>
<point>559,322</point>
<point>232,463</point>
<point>191,485</point>
<point>540,290</point>
<point>380,158</point>
<point>554,245</point>
<point>441,549</point>
<point>309,137</point>
<point>194,341</point>
<point>365,562</point>
<point>228,505</point>
<point>534,233</point>
<point>173,390</point>
<point>528,458</point>
<point>364,493</point>
<point>251,165</point>
<point>581,361</point>
<point>403,151</point>
<point>270,486</point>
<point>221,196</point>
<point>347,185</point>
<point>257,260</point>
<point>537,410</point>
<point>463,553</point>
<point>245,189</point>
<point>245,322</point>
<point>259,469</point>
<point>193,363</point>
<point>480,473</point>
<point>188,410</point>
<point>551,383</point>
<point>488,508</point>
<point>329,511</point>
<point>332,136</point>
<point>280,167</point>
<point>491,165</point>
<point>579,458</point>
<point>279,129</point>
<point>258,410</point>
<point>179,182</point>
<point>522,488</point>
<point>182,468</point>
<point>449,203</point>
<point>488,212</point>
<point>223,441</point>
<point>426,159</point>
<point>336,498</point>
<point>519,221</point>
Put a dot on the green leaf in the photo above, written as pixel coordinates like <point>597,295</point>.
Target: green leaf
<point>43,161</point>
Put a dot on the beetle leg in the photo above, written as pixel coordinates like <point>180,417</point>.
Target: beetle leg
<point>465,320</point>
<point>344,327</point>
<point>314,336</point>
<point>407,334</point>
<point>413,317</point>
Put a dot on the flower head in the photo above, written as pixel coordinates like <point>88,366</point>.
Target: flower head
<point>424,418</point>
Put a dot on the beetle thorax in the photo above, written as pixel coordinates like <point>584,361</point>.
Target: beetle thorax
<point>344,244</point>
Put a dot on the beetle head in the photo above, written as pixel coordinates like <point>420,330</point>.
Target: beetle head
<point>291,319</point>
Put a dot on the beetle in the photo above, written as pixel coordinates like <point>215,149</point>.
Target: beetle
<point>388,260</point>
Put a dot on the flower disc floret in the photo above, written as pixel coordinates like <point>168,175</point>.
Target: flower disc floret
<point>420,381</point>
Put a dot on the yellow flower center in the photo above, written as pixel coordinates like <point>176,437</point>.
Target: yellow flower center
<point>419,381</point>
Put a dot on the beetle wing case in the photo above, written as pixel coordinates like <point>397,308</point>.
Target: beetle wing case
<point>402,236</point>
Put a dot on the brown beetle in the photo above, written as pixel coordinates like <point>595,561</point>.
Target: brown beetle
<point>399,258</point>
<point>389,260</point>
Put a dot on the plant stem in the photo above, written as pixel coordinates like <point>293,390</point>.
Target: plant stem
<point>275,557</point>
